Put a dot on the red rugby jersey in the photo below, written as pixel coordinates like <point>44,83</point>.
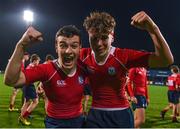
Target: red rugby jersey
<point>22,66</point>
<point>107,81</point>
<point>172,82</point>
<point>137,84</point>
<point>64,93</point>
<point>178,80</point>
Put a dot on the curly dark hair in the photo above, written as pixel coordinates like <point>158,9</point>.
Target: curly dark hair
<point>102,22</point>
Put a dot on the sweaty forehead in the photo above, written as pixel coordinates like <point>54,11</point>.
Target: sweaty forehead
<point>96,31</point>
<point>72,39</point>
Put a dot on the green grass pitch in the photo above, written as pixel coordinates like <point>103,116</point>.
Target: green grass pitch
<point>158,100</point>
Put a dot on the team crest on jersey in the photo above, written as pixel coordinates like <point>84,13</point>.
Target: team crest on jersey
<point>111,71</point>
<point>61,83</point>
<point>81,80</point>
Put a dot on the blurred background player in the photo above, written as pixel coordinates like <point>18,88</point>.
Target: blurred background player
<point>86,103</point>
<point>87,94</point>
<point>178,89</point>
<point>12,100</point>
<point>29,94</point>
<point>173,95</point>
<point>138,92</point>
<point>16,89</point>
<point>49,58</point>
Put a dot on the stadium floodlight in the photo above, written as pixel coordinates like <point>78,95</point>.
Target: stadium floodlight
<point>28,16</point>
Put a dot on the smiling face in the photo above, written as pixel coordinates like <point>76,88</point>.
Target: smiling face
<point>100,44</point>
<point>100,27</point>
<point>68,49</point>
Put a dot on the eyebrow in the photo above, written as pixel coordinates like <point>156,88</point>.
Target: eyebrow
<point>71,42</point>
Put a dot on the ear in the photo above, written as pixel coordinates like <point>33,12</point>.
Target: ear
<point>56,47</point>
<point>112,40</point>
<point>112,36</point>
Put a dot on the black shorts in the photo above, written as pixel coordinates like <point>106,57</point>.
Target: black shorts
<point>173,96</point>
<point>141,102</point>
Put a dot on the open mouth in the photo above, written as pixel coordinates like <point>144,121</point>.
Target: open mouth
<point>68,60</point>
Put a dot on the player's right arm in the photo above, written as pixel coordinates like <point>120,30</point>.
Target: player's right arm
<point>13,75</point>
<point>130,85</point>
<point>162,56</point>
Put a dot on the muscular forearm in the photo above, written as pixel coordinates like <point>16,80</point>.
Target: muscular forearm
<point>13,69</point>
<point>13,74</point>
<point>162,56</point>
<point>162,53</point>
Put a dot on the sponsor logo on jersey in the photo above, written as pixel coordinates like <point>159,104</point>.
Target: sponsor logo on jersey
<point>81,80</point>
<point>61,83</point>
<point>111,71</point>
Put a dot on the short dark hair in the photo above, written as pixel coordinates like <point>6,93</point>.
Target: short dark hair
<point>49,57</point>
<point>68,31</point>
<point>26,53</point>
<point>34,57</point>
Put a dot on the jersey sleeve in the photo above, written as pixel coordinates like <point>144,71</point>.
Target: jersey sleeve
<point>136,58</point>
<point>84,52</point>
<point>37,73</point>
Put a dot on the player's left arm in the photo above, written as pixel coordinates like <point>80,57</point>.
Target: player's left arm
<point>178,82</point>
<point>162,57</point>
<point>130,85</point>
<point>147,92</point>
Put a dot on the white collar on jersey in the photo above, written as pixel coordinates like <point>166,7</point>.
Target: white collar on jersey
<point>71,74</point>
<point>111,52</point>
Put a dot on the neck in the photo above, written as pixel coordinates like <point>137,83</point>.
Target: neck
<point>101,59</point>
<point>68,72</point>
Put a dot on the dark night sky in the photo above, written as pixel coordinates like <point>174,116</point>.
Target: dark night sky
<point>50,15</point>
